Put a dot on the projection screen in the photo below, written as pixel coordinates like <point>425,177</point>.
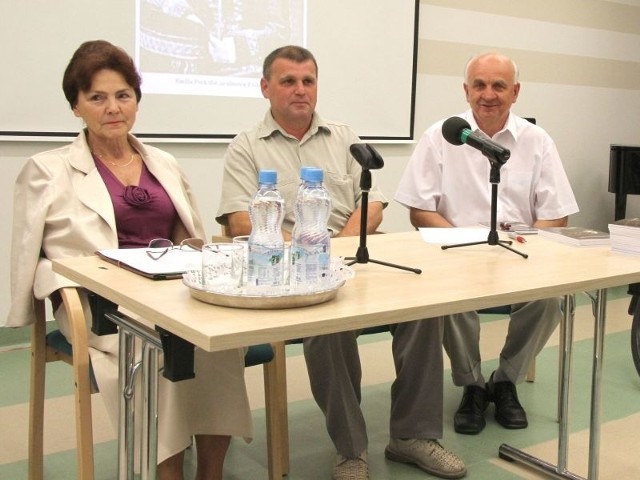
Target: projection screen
<point>201,61</point>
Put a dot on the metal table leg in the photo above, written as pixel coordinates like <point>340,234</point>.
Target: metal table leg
<point>126,412</point>
<point>596,384</point>
<point>150,420</point>
<point>128,331</point>
<point>560,470</point>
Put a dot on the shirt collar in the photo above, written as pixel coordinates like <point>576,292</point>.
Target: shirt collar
<point>270,126</point>
<point>510,126</point>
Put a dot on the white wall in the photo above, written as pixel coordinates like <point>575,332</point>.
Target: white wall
<point>580,75</point>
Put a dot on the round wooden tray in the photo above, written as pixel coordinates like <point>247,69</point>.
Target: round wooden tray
<point>263,302</point>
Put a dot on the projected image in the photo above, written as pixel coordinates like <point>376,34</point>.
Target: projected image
<point>213,47</point>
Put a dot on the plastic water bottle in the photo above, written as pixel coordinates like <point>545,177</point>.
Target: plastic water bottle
<point>310,241</point>
<point>266,244</point>
<point>303,184</point>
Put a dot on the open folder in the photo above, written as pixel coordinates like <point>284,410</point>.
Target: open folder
<point>169,266</point>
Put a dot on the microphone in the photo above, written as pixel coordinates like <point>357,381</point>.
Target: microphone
<point>367,156</point>
<point>457,131</point>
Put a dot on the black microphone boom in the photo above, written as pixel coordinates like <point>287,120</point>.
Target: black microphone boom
<point>457,131</point>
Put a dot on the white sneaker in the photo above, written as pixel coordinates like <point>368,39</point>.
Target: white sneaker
<point>351,468</point>
<point>429,455</point>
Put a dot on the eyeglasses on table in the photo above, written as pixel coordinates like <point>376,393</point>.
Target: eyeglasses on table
<point>158,247</point>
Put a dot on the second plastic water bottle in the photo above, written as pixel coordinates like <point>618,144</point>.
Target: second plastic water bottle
<point>266,244</point>
<point>311,242</point>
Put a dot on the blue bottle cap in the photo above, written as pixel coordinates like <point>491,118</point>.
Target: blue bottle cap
<point>268,176</point>
<point>314,175</point>
<point>303,172</point>
<point>304,175</point>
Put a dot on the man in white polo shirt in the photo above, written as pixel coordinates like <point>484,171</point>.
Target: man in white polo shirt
<point>446,185</point>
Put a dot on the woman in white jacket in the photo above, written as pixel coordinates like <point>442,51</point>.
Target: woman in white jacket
<point>108,190</point>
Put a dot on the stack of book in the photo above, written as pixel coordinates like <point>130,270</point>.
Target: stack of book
<point>578,236</point>
<point>625,236</point>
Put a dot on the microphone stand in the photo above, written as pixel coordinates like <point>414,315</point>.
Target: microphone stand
<point>492,239</point>
<point>362,255</point>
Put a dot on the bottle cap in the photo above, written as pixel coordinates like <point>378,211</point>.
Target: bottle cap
<point>314,175</point>
<point>268,176</point>
<point>303,172</point>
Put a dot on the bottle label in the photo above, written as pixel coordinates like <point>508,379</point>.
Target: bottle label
<point>266,266</point>
<point>310,265</point>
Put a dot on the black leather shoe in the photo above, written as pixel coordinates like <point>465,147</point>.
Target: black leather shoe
<point>509,412</point>
<point>469,418</point>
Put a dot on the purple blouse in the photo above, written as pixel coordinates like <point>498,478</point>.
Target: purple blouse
<point>143,212</point>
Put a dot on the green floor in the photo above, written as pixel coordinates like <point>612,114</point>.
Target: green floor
<point>311,451</point>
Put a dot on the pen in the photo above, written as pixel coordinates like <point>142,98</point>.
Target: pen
<point>518,238</point>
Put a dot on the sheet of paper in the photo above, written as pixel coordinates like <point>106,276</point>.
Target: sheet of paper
<point>453,235</point>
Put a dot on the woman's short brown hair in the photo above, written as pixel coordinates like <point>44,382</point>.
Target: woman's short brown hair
<point>91,57</point>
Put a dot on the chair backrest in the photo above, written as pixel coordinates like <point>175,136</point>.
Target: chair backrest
<point>258,354</point>
<point>224,235</point>
<point>58,343</point>
<point>501,310</point>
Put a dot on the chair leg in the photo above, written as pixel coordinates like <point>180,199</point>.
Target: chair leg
<point>84,425</point>
<point>36,400</point>
<point>275,382</point>
<point>531,373</point>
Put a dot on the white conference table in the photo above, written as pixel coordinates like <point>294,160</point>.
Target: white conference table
<point>452,281</point>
